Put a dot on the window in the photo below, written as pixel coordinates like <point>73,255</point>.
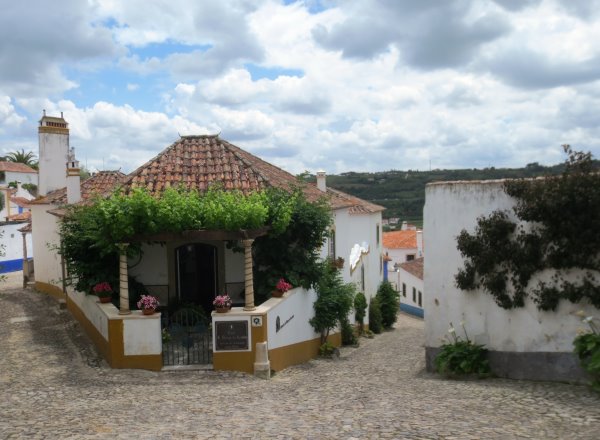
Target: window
<point>404,290</point>
<point>410,257</point>
<point>381,264</point>
<point>420,299</point>
<point>377,234</point>
<point>414,294</point>
<point>331,249</point>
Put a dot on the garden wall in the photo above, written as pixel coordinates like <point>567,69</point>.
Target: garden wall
<point>524,343</point>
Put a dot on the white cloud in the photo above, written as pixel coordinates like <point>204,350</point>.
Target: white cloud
<point>132,87</point>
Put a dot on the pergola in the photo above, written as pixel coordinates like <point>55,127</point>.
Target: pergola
<point>246,236</point>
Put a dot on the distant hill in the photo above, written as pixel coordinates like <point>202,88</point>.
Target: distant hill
<point>403,192</point>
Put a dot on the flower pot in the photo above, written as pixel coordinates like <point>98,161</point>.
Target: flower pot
<point>276,293</point>
<point>105,299</point>
<point>148,311</point>
<point>222,309</point>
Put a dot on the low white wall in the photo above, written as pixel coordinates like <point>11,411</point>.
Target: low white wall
<point>449,208</point>
<point>293,314</point>
<point>141,335</point>
<point>95,312</point>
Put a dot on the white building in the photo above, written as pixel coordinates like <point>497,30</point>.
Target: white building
<point>399,247</point>
<point>411,286</point>
<point>524,343</point>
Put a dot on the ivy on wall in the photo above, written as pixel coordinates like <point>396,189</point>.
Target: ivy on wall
<point>555,225</point>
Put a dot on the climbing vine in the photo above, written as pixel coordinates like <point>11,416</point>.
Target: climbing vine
<point>91,233</point>
<point>555,225</point>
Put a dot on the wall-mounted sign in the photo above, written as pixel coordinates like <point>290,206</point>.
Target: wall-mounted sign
<point>231,335</point>
<point>257,321</point>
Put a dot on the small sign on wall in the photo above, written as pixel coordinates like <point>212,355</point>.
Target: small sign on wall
<point>232,336</point>
<point>257,321</point>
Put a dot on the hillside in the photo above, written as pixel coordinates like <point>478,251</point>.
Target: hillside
<point>403,192</point>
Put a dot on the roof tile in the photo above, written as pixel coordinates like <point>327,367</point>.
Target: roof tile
<point>400,239</point>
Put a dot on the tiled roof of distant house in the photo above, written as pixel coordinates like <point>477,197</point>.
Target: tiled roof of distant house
<point>20,201</point>
<point>196,162</point>
<point>24,216</point>
<point>400,239</point>
<point>16,167</point>
<point>414,267</point>
<point>98,184</point>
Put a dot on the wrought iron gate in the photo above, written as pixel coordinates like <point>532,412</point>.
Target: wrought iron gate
<point>187,339</point>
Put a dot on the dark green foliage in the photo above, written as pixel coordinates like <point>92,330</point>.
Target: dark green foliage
<point>31,187</point>
<point>293,253</point>
<point>91,234</point>
<point>334,301</point>
<point>403,192</point>
<point>349,336</point>
<point>462,357</point>
<point>560,231</point>
<point>360,309</point>
<point>375,319</point>
<point>327,349</point>
<point>587,349</point>
<point>389,302</point>
<point>28,158</point>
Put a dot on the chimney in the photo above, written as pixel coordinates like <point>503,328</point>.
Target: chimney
<point>73,178</point>
<point>419,243</point>
<point>321,180</point>
<point>404,226</point>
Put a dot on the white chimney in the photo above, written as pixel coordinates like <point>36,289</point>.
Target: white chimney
<point>73,179</point>
<point>419,243</point>
<point>321,180</point>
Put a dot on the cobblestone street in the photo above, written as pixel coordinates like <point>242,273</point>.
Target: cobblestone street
<point>53,385</point>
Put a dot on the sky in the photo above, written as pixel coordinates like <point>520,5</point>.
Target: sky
<point>348,85</point>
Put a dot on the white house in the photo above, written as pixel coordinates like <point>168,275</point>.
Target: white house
<point>192,269</point>
<point>399,247</point>
<point>17,172</point>
<point>411,286</point>
<point>524,343</point>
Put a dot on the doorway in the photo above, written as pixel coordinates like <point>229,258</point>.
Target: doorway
<point>197,281</point>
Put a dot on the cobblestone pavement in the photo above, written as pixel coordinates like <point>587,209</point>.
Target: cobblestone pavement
<point>54,385</point>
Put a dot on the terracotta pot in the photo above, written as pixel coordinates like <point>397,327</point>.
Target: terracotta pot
<point>276,293</point>
<point>222,309</point>
<point>105,299</point>
<point>148,311</point>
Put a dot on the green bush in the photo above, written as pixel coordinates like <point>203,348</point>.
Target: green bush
<point>375,324</point>
<point>389,302</point>
<point>587,349</point>
<point>360,309</point>
<point>348,333</point>
<point>327,349</point>
<point>460,357</point>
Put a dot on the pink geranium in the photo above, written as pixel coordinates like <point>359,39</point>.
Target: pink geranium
<point>147,302</point>
<point>283,286</point>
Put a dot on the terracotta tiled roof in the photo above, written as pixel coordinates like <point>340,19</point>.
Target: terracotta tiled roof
<point>20,217</point>
<point>414,267</point>
<point>16,167</point>
<point>98,184</point>
<point>20,201</point>
<point>196,162</point>
<point>400,239</point>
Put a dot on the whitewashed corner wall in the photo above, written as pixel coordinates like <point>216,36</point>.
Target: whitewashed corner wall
<point>45,240</point>
<point>514,334</point>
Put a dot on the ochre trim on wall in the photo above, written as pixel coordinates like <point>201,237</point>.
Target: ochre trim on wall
<point>299,353</point>
<point>50,289</point>
<point>54,130</point>
<point>113,350</point>
<point>242,360</point>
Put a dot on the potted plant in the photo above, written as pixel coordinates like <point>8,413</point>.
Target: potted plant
<point>148,304</point>
<point>222,303</point>
<point>103,291</point>
<point>281,287</point>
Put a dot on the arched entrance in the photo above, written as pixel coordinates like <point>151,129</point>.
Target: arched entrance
<point>197,280</point>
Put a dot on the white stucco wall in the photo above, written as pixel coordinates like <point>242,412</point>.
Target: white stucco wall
<point>141,335</point>
<point>449,208</point>
<point>53,156</point>
<point>411,282</point>
<point>351,229</point>
<point>399,255</point>
<point>234,266</point>
<point>45,239</point>
<point>12,176</point>
<point>12,240</point>
<point>294,313</point>
<point>95,312</point>
<point>152,269</point>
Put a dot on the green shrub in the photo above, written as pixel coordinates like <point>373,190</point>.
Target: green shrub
<point>360,309</point>
<point>327,349</point>
<point>587,349</point>
<point>460,357</point>
<point>348,333</point>
<point>375,324</point>
<point>389,302</point>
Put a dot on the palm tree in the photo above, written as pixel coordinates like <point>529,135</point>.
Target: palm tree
<point>28,158</point>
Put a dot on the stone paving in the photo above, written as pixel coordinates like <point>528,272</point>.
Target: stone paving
<point>54,385</point>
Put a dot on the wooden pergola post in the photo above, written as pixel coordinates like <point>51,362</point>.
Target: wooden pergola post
<point>248,277</point>
<point>123,281</point>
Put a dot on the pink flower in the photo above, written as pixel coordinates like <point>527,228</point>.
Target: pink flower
<point>222,301</point>
<point>283,285</point>
<point>102,287</point>
<point>147,302</point>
